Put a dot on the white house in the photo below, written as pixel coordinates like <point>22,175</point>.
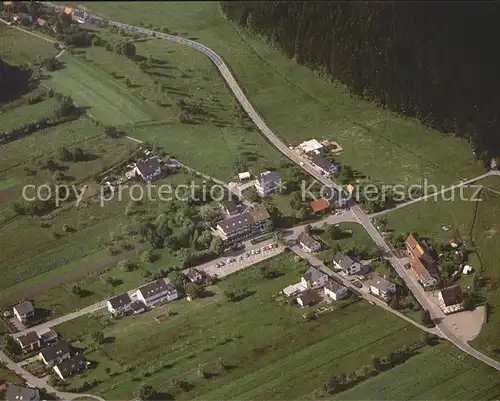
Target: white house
<point>267,183</point>
<point>294,289</point>
<point>311,146</point>
<point>56,353</point>
<point>119,304</point>
<point>308,243</point>
<point>69,367</point>
<point>24,311</point>
<point>29,341</point>
<point>346,265</point>
<point>148,169</point>
<point>451,300</point>
<point>381,287</point>
<point>313,278</point>
<point>244,176</point>
<point>157,292</point>
<point>335,290</point>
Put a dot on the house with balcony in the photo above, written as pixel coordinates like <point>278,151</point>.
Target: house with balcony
<point>246,225</point>
<point>156,293</point>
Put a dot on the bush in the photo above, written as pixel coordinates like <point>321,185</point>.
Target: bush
<point>127,265</point>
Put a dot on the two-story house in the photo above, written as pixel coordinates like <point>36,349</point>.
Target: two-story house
<point>313,278</point>
<point>119,304</point>
<point>423,261</point>
<point>346,264</point>
<point>381,287</point>
<point>308,243</point>
<point>148,169</point>
<point>267,183</point>
<point>29,341</point>
<point>24,311</point>
<point>70,367</point>
<point>156,292</point>
<point>56,353</point>
<point>335,290</point>
<point>451,299</point>
<point>246,225</point>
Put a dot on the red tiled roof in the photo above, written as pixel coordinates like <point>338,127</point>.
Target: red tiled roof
<point>319,205</point>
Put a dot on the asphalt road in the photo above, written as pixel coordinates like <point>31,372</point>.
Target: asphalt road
<point>362,218</point>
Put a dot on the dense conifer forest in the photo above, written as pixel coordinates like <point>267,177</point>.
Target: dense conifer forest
<point>14,81</point>
<point>437,61</point>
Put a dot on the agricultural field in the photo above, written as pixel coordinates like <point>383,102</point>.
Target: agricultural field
<point>106,100</point>
<point>299,104</point>
<point>441,372</point>
<point>477,224</point>
<point>19,116</point>
<point>265,358</point>
<point>18,48</point>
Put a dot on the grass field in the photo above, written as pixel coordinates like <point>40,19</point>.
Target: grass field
<point>268,344</point>
<point>441,373</point>
<point>19,48</point>
<point>11,377</point>
<point>299,104</point>
<point>19,116</point>
<point>108,101</point>
<point>478,224</point>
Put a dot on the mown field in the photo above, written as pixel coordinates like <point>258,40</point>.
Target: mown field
<point>107,101</point>
<point>268,344</point>
<point>478,224</point>
<point>299,104</point>
<point>441,373</point>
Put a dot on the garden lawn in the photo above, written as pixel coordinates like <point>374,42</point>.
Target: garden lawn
<point>478,224</point>
<point>268,344</point>
<point>108,101</point>
<point>442,372</point>
<point>299,104</point>
<point>19,48</point>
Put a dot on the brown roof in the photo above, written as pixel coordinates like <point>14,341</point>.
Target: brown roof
<point>415,246</point>
<point>30,337</point>
<point>421,271</point>
<point>319,205</point>
<point>452,295</point>
<point>259,213</point>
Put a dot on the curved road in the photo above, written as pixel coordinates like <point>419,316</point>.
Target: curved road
<point>362,218</point>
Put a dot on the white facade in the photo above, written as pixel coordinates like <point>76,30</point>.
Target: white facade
<point>354,268</point>
<point>156,293</point>
<point>317,281</point>
<point>383,292</point>
<point>244,176</point>
<point>336,293</point>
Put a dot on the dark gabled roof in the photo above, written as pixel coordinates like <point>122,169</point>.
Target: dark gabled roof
<point>307,240</point>
<point>156,287</point>
<point>313,274</point>
<point>17,393</point>
<point>452,295</point>
<point>269,179</point>
<point>230,205</point>
<point>30,337</point>
<point>56,350</point>
<point>380,282</point>
<point>246,219</point>
<point>323,163</point>
<point>307,297</point>
<point>120,300</point>
<point>137,306</point>
<point>148,166</point>
<point>334,286</point>
<point>24,307</point>
<point>71,366</point>
<point>343,260</point>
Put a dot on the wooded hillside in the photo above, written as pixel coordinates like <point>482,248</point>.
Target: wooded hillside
<point>433,60</point>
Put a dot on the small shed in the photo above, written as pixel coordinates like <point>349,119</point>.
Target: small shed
<point>467,269</point>
<point>244,176</point>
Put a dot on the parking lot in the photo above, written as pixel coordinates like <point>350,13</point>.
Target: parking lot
<point>234,261</point>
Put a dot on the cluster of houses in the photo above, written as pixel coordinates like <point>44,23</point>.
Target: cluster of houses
<point>314,151</point>
<point>424,263</point>
<point>14,10</point>
<point>55,353</point>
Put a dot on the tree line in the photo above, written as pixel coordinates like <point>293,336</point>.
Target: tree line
<point>430,60</point>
